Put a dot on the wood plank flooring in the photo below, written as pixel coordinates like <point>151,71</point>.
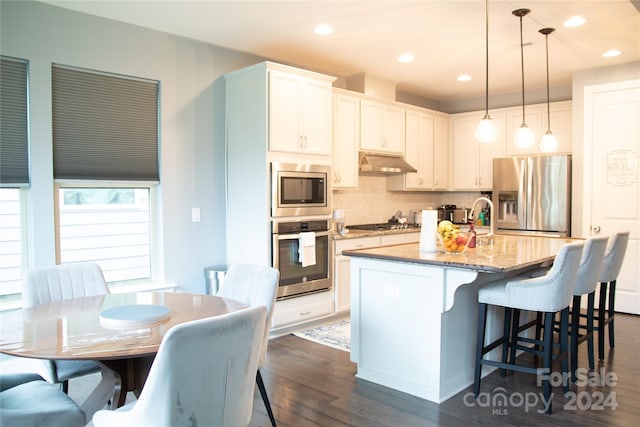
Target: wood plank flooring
<point>314,385</point>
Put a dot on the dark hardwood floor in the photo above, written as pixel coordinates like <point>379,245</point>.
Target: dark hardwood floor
<point>314,385</point>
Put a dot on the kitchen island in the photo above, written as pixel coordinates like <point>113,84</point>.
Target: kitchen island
<point>414,314</point>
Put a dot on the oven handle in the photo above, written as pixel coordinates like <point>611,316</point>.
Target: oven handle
<point>297,236</point>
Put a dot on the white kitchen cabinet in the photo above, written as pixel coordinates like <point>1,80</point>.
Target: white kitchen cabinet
<point>471,162</point>
<point>346,139</point>
<point>399,239</point>
<point>381,127</point>
<point>536,118</point>
<point>299,113</point>
<point>426,145</point>
<point>298,310</point>
<point>440,152</point>
<point>342,268</point>
<point>418,153</point>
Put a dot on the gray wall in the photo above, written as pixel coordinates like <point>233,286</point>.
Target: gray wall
<point>192,124</point>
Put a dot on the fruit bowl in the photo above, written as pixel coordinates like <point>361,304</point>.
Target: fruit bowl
<point>454,241</point>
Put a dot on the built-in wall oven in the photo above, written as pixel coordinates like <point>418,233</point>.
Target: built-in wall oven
<point>296,279</point>
<point>300,190</point>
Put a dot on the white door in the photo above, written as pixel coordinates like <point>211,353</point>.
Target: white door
<point>612,147</point>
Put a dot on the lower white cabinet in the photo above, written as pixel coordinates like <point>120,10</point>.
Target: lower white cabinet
<point>292,311</point>
<point>342,264</point>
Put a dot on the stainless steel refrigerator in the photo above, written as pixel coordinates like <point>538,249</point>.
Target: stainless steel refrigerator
<point>532,195</point>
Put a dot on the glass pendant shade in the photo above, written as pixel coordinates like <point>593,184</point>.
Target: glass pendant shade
<point>524,137</point>
<point>486,131</point>
<point>548,143</point>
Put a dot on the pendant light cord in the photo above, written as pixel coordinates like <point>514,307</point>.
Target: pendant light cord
<point>522,67</point>
<point>546,41</point>
<point>486,96</point>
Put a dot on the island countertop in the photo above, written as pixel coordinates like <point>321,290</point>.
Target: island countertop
<point>507,253</point>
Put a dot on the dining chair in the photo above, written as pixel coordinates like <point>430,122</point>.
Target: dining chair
<point>54,283</point>
<point>549,294</point>
<point>28,400</point>
<point>203,375</point>
<point>254,285</point>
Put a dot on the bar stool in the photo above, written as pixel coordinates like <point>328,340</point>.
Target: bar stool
<point>549,294</point>
<point>611,266</point>
<point>589,272</point>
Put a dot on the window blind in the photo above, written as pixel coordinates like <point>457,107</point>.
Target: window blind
<point>14,128</point>
<point>105,126</point>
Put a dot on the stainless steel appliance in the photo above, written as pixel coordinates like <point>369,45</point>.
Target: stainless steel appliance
<point>300,189</point>
<point>532,194</point>
<point>294,278</point>
<point>384,226</point>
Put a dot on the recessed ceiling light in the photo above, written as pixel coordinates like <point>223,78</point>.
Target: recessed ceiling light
<point>323,29</point>
<point>464,78</point>
<point>574,21</point>
<point>611,53</point>
<point>406,57</point>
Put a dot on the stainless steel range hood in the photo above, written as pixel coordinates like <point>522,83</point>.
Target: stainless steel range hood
<point>383,164</point>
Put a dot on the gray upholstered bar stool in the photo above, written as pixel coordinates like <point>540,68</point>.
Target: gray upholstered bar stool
<point>610,269</point>
<point>549,294</point>
<point>589,272</point>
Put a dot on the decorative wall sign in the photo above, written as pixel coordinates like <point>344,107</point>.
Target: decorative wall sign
<point>622,167</point>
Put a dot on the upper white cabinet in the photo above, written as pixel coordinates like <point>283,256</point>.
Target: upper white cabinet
<point>471,163</point>
<point>536,118</point>
<point>346,139</point>
<point>299,113</point>
<point>419,143</point>
<point>381,127</point>
<point>440,152</point>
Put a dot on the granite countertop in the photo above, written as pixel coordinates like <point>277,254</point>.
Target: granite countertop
<point>354,234</point>
<point>508,252</point>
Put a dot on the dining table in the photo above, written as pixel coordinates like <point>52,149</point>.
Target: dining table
<point>121,332</point>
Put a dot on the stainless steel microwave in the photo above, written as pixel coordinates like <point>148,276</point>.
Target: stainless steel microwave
<point>300,189</point>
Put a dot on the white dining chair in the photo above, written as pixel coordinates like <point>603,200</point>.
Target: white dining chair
<point>254,285</point>
<point>54,283</point>
<point>203,375</point>
<point>27,400</point>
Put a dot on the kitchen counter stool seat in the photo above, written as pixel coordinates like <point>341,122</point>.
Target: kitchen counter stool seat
<point>549,294</point>
<point>611,266</point>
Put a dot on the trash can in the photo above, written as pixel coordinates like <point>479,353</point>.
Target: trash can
<point>213,276</point>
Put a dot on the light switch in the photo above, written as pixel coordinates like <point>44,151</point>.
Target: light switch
<point>195,214</point>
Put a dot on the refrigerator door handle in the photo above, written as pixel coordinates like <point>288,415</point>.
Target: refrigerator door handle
<point>522,191</point>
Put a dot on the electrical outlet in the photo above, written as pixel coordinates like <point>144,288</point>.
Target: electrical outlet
<point>195,214</point>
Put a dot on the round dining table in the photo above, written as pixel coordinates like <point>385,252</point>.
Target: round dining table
<point>121,332</point>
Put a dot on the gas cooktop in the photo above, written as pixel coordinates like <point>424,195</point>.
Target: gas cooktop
<point>382,226</point>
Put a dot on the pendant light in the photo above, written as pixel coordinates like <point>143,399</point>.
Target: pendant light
<point>548,143</point>
<point>524,136</point>
<point>486,131</point>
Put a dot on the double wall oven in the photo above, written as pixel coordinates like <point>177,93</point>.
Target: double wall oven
<point>301,205</point>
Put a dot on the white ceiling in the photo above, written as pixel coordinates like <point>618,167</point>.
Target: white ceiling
<point>447,37</point>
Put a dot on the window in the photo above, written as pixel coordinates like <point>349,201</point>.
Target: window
<point>107,225</point>
<point>14,173</point>
<point>105,163</point>
<point>12,251</point>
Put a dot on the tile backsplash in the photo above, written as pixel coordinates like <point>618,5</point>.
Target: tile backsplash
<point>372,203</point>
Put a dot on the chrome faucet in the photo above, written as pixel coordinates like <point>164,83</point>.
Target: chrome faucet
<point>491,218</point>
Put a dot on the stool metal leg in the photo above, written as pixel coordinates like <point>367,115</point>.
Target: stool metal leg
<point>482,319</point>
<point>265,398</point>
<point>505,334</point>
<point>564,348</point>
<point>513,341</point>
<point>611,313</point>
<point>601,319</point>
<point>547,356</point>
<point>575,325</point>
<point>590,329</point>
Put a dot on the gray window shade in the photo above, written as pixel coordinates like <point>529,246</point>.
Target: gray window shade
<point>105,127</point>
<point>14,129</point>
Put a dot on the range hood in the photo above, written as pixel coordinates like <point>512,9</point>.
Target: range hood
<point>383,164</point>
